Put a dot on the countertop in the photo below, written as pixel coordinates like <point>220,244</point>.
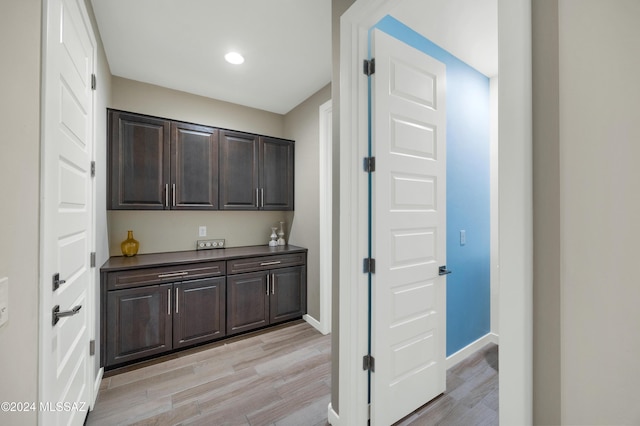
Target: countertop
<point>118,263</point>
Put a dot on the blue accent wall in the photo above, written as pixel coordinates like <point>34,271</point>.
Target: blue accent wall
<point>468,191</point>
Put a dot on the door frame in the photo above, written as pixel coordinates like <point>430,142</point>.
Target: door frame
<point>515,211</point>
<point>326,213</point>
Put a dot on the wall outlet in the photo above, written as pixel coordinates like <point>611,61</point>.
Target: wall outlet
<point>4,300</point>
<point>202,231</point>
<point>210,244</point>
<point>463,237</point>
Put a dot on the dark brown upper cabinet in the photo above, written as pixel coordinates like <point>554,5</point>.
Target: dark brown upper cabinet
<point>158,164</point>
<point>256,172</point>
<point>161,164</point>
<point>194,167</point>
<point>138,161</point>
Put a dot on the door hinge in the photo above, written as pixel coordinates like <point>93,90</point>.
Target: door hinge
<point>369,67</point>
<point>369,265</point>
<point>92,347</point>
<point>93,169</point>
<point>92,259</point>
<point>368,363</point>
<point>94,83</point>
<point>369,164</point>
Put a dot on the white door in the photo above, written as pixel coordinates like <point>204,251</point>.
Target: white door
<point>408,229</point>
<point>67,209</point>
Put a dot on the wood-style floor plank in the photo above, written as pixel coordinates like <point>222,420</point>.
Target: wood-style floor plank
<point>281,377</point>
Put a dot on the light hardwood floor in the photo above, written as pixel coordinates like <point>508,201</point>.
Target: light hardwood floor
<point>276,377</point>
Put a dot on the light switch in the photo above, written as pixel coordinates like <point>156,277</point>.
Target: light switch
<point>463,237</point>
<point>4,300</point>
<point>202,231</point>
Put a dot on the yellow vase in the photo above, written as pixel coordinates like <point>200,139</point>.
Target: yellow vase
<point>130,246</point>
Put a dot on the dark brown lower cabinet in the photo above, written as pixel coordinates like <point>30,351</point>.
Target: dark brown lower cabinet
<point>157,303</point>
<point>258,299</point>
<point>139,323</point>
<point>199,314</point>
<point>151,320</point>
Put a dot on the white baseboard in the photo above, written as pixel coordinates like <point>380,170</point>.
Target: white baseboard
<point>471,348</point>
<point>333,418</point>
<point>96,387</point>
<point>315,323</point>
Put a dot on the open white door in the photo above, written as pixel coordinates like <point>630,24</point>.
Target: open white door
<point>67,209</point>
<point>408,329</point>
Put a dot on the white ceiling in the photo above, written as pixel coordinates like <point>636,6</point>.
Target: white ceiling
<point>286,43</point>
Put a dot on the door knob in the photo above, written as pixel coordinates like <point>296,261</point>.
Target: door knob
<point>443,270</point>
<point>56,314</point>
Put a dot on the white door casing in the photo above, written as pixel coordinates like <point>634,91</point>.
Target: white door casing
<point>65,376</point>
<point>408,229</point>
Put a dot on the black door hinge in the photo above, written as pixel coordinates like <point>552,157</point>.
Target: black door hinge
<point>92,347</point>
<point>368,363</point>
<point>94,83</point>
<point>93,169</point>
<point>369,164</point>
<point>369,67</point>
<point>92,259</point>
<point>369,265</point>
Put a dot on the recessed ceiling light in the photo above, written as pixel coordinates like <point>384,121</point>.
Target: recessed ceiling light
<point>234,58</point>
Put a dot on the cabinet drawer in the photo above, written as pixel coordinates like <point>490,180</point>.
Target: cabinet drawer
<point>149,276</point>
<point>251,264</point>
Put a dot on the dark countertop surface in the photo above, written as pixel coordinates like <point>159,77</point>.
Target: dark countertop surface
<point>118,263</point>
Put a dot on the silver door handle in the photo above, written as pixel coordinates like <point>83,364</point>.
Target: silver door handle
<point>267,284</point>
<point>257,198</point>
<point>168,301</point>
<point>56,314</point>
<point>443,270</point>
<point>177,302</point>
<point>262,197</point>
<point>273,283</point>
<point>173,192</point>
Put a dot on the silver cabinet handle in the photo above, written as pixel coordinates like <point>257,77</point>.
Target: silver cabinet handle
<point>262,197</point>
<point>257,198</point>
<point>168,301</point>
<point>273,283</point>
<point>177,302</point>
<point>173,192</point>
<point>267,284</point>
<point>173,274</point>
<point>275,262</point>
<point>166,194</point>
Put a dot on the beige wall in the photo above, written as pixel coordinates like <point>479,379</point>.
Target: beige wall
<point>546,221</point>
<point>303,125</point>
<point>176,230</point>
<point>19,210</point>
<point>587,210</point>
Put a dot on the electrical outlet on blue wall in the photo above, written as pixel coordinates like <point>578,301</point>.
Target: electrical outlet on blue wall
<point>463,237</point>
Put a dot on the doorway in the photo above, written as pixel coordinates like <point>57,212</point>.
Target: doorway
<point>514,206</point>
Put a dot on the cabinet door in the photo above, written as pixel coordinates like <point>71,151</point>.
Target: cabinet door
<point>138,323</point>
<point>238,171</point>
<point>194,167</point>
<point>288,299</point>
<point>247,302</point>
<point>199,313</point>
<point>276,174</point>
<point>138,162</point>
